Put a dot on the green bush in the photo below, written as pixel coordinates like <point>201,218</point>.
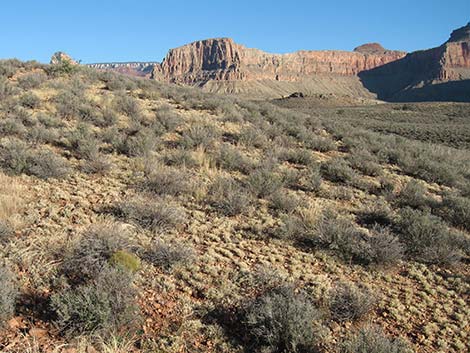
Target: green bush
<point>373,340</point>
<point>125,260</point>
<point>169,255</point>
<point>282,320</point>
<point>8,294</point>
<point>348,302</point>
<point>228,197</point>
<point>101,307</point>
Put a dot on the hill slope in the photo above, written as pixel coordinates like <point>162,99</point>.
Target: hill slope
<point>138,216</point>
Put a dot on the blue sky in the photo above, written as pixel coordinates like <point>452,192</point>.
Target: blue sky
<point>118,30</point>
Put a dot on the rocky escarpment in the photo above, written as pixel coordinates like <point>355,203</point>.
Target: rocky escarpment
<point>61,57</point>
<point>139,69</point>
<point>223,59</point>
<point>441,73</point>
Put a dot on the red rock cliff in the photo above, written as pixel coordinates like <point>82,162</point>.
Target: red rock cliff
<point>222,59</point>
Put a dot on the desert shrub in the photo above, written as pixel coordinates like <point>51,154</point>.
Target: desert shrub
<point>348,302</point>
<point>310,179</point>
<point>6,231</point>
<point>228,197</point>
<point>65,67</point>
<point>156,214</point>
<point>82,141</point>
<point>373,340</point>
<point>162,180</point>
<point>11,126</point>
<point>49,121</point>
<point>42,135</point>
<point>455,210</point>
<point>68,103</point>
<point>365,162</point>
<point>96,163</point>
<point>8,294</point>
<point>385,249</point>
<point>32,80</point>
<point>105,305</point>
<point>128,105</point>
<point>231,159</point>
<point>91,254</point>
<point>169,255</point>
<point>6,89</point>
<point>300,226</point>
<point>427,238</point>
<point>282,320</point>
<point>141,143</point>
<point>168,117</point>
<point>8,68</point>
<point>30,100</point>
<point>377,214</point>
<point>281,201</point>
<point>320,144</point>
<point>297,156</point>
<point>180,157</point>
<point>15,156</point>
<point>46,164</point>
<point>264,181</point>
<point>413,195</point>
<point>253,137</point>
<point>338,170</point>
<point>198,135</point>
<point>341,236</point>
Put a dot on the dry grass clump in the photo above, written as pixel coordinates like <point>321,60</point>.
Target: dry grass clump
<point>199,135</point>
<point>229,158</point>
<point>283,202</point>
<point>12,200</point>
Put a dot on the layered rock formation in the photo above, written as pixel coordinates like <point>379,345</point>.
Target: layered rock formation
<point>222,59</point>
<point>427,74</point>
<point>223,66</point>
<point>140,69</point>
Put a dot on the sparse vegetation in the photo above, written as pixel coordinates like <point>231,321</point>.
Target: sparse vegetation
<point>373,340</point>
<point>8,294</point>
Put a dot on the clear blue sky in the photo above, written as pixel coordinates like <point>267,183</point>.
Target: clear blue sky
<point>118,30</point>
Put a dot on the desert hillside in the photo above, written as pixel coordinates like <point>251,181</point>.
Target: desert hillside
<point>140,216</point>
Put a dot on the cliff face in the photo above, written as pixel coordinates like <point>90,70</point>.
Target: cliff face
<point>426,74</point>
<point>140,69</point>
<point>222,59</point>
